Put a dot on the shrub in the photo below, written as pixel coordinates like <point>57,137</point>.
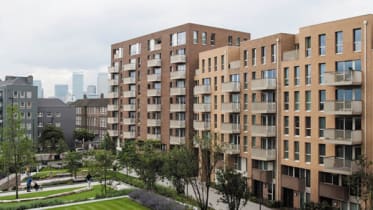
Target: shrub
<point>154,201</point>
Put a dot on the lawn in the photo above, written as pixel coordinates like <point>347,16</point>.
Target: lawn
<point>121,203</point>
<point>38,194</point>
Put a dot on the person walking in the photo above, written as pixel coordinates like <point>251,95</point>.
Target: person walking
<point>89,177</point>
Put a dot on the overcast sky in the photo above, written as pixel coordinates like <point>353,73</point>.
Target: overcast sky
<point>50,39</point>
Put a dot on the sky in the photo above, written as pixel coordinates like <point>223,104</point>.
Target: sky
<point>50,39</point>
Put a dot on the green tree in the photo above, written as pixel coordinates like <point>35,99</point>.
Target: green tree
<point>73,162</point>
<point>83,135</point>
<point>127,156</point>
<point>179,165</point>
<point>16,148</point>
<point>233,188</point>
<point>103,163</point>
<point>108,144</point>
<point>52,140</point>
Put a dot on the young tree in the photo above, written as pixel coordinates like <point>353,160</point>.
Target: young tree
<point>233,188</point>
<point>108,144</point>
<point>52,140</point>
<point>83,135</point>
<point>103,163</point>
<point>127,156</point>
<point>16,149</point>
<point>73,161</point>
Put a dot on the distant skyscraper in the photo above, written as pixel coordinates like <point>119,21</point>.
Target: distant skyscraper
<point>78,85</point>
<point>61,91</point>
<point>37,83</point>
<point>102,84</point>
<point>91,91</point>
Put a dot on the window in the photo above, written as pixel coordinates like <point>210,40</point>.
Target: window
<point>253,57</point>
<point>321,153</point>
<point>322,44</point>
<point>286,101</point>
<point>253,142</point>
<point>209,64</point>
<point>245,144</point>
<point>230,40</point>
<point>222,62</point>
<point>351,65</point>
<point>357,40</point>
<point>135,49</point>
<point>212,39</point>
<point>296,150</point>
<point>245,123</point>
<point>308,46</point>
<point>296,100</point>
<point>322,98</point>
<point>321,126</point>
<point>338,42</point>
<point>29,94</point>
<point>308,127</point>
<point>308,152</point>
<point>245,57</point>
<point>296,75</point>
<point>203,65</point>
<point>246,101</point>
<point>286,125</point>
<point>286,149</point>
<point>308,100</point>
<point>321,73</point>
<point>238,41</point>
<point>308,74</point>
<point>296,126</point>
<point>273,53</point>
<point>215,63</point>
<point>263,55</point>
<point>204,38</point>
<point>195,37</point>
<point>286,76</point>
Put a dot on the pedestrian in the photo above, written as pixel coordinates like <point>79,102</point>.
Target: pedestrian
<point>28,184</point>
<point>89,177</point>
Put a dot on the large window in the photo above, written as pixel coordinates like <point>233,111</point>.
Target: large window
<point>322,98</point>
<point>308,74</point>
<point>357,40</point>
<point>286,76</point>
<point>321,153</point>
<point>343,66</point>
<point>273,53</point>
<point>263,55</point>
<point>308,46</point>
<point>286,101</point>
<point>321,73</point>
<point>286,149</point>
<point>339,42</point>
<point>308,127</point>
<point>308,100</point>
<point>135,49</point>
<point>296,150</point>
<point>322,44</point>
<point>308,152</point>
<point>322,125</point>
<point>296,126</point>
<point>178,39</point>
<point>296,75</point>
<point>296,101</point>
<point>253,57</point>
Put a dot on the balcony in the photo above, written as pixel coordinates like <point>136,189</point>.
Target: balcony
<point>263,107</point>
<point>343,107</point>
<point>339,136</point>
<point>112,120</point>
<point>154,92</point>
<point>235,65</point>
<point>201,125</point>
<point>177,107</point>
<point>262,175</point>
<point>231,149</point>
<point>177,75</point>
<point>340,166</point>
<point>333,191</point>
<point>230,87</point>
<point>129,94</point>
<point>112,133</point>
<point>177,123</point>
<point>201,107</point>
<point>294,183</point>
<point>291,55</point>
<point>343,78</point>
<point>154,122</point>
<point>177,140</point>
<point>129,107</point>
<point>154,62</point>
<point>129,66</point>
<point>112,69</point>
<point>177,91</point>
<point>153,136</point>
<point>263,130</point>
<point>157,47</point>
<point>154,107</point>
<point>230,107</point>
<point>113,82</point>
<point>154,77</point>
<point>230,128</point>
<point>112,107</point>
<point>263,84</point>
<point>113,95</point>
<point>178,59</point>
<point>129,80</point>
<point>129,121</point>
<point>263,154</point>
<point>202,89</point>
<point>129,134</point>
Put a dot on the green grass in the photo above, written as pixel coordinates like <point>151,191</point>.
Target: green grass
<point>121,203</point>
<point>38,194</point>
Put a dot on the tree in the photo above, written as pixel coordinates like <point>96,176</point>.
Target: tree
<point>108,144</point>
<point>16,148</point>
<point>179,165</point>
<point>233,188</point>
<point>73,161</point>
<point>103,163</point>
<point>127,156</point>
<point>52,140</point>
<point>83,135</point>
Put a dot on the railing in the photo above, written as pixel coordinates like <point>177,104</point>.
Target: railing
<point>154,62</point>
<point>129,66</point>
<point>263,107</point>
<point>231,148</point>
<point>230,87</point>
<point>338,165</point>
<point>177,91</point>
<point>343,107</point>
<point>201,125</point>
<point>177,123</point>
<point>230,128</point>
<point>177,107</point>
<point>230,107</point>
<point>263,84</point>
<point>202,89</point>
<point>349,77</point>
<point>201,107</point>
<point>177,75</point>
<point>178,59</point>
<point>340,136</point>
<point>263,130</point>
<point>263,154</point>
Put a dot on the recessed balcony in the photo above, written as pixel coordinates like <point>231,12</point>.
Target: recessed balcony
<point>230,87</point>
<point>343,78</point>
<point>201,125</point>
<point>129,134</point>
<point>154,107</point>
<point>177,91</point>
<point>129,66</point>
<point>177,75</point>
<point>112,120</point>
<point>129,121</point>
<point>340,166</point>
<point>154,92</point>
<point>150,136</point>
<point>112,133</point>
<point>263,84</point>
<point>231,149</point>
<point>113,95</point>
<point>343,107</point>
<point>129,80</point>
<point>177,123</point>
<point>201,107</point>
<point>230,128</point>
<point>154,122</point>
<point>230,107</point>
<point>263,130</point>
<point>293,183</point>
<point>113,82</point>
<point>263,107</point>
<point>177,140</point>
<point>340,136</point>
<point>262,175</point>
<point>112,107</point>
<point>129,93</point>
<point>202,89</point>
<point>129,107</point>
<point>156,62</point>
<point>263,154</point>
<point>154,77</point>
<point>178,59</point>
<point>177,107</point>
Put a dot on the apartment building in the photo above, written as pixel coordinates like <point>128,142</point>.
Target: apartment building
<point>292,110</point>
<point>151,82</point>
